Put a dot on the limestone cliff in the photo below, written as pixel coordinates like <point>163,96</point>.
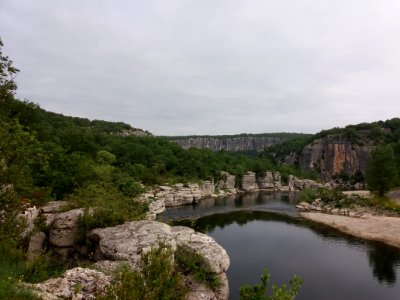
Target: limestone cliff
<point>229,143</point>
<point>333,156</point>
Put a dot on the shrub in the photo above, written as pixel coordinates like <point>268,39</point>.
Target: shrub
<point>258,291</point>
<point>193,263</point>
<point>307,195</point>
<point>158,278</point>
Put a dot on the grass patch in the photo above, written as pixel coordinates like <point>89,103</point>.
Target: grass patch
<point>193,263</point>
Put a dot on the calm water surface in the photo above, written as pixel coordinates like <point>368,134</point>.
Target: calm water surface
<point>264,231</point>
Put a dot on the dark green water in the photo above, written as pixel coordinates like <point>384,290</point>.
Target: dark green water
<point>263,231</point>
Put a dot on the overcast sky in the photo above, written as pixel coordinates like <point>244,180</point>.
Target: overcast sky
<point>178,67</point>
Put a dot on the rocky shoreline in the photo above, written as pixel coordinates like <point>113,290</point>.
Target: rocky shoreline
<point>179,194</point>
<point>370,227</point>
<point>360,221</point>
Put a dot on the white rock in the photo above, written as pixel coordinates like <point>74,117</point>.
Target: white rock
<point>65,227</point>
<point>77,283</point>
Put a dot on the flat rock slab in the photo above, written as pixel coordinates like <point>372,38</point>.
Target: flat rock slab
<point>369,227</point>
<point>128,241</point>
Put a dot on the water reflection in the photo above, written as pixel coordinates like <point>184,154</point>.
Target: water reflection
<point>216,216</point>
<point>383,261</point>
<point>263,201</point>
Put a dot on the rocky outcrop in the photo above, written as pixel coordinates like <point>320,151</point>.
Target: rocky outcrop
<point>228,143</point>
<point>176,195</point>
<point>133,132</point>
<point>127,242</point>
<point>51,209</point>
<point>227,183</point>
<point>29,216</point>
<point>269,181</point>
<point>64,228</point>
<point>334,156</point>
<point>208,188</point>
<point>75,284</point>
<point>296,184</point>
<point>249,183</point>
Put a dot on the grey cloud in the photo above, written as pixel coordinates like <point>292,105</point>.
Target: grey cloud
<point>209,67</point>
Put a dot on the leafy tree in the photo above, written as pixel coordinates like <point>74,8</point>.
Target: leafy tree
<point>382,174</point>
<point>7,75</point>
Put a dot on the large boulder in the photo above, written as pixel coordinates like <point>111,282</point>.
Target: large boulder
<point>65,228</point>
<point>269,181</point>
<point>208,187</point>
<point>249,183</point>
<point>227,182</point>
<point>128,241</point>
<point>266,181</point>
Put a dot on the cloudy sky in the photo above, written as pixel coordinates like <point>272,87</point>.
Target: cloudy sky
<point>177,67</point>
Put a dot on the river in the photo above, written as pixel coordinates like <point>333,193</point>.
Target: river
<point>263,230</point>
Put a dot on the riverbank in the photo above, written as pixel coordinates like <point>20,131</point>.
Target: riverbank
<point>375,228</point>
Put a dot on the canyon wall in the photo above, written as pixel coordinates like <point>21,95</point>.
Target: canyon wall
<point>333,156</point>
<point>233,143</point>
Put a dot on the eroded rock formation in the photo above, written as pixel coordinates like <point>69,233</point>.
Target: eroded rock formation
<point>249,182</point>
<point>236,143</point>
<point>334,156</point>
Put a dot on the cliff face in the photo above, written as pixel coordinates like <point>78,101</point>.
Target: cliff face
<point>334,156</point>
<point>246,143</point>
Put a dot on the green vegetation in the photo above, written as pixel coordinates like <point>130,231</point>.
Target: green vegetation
<point>258,291</point>
<point>14,265</point>
<point>159,278</point>
<point>382,173</point>
<point>192,263</point>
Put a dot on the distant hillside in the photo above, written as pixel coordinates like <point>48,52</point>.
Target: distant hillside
<point>234,143</point>
<point>49,124</point>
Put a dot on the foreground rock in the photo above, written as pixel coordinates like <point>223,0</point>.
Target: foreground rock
<point>375,228</point>
<point>128,241</point>
<point>124,244</point>
<point>77,283</point>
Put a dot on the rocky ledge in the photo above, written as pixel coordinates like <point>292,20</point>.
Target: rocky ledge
<point>126,243</point>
